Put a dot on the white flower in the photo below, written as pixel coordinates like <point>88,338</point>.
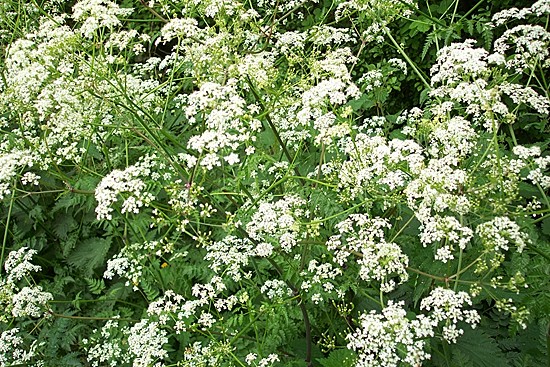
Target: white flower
<point>30,301</point>
<point>380,261</point>
<point>501,232</point>
<point>183,28</point>
<point>277,222</point>
<point>390,338</point>
<point>95,14</point>
<point>276,289</point>
<point>145,343</point>
<point>447,306</point>
<point>231,255</point>
<point>18,264</point>
<point>128,181</point>
<point>437,229</point>
<point>12,349</point>
<point>232,159</point>
<point>250,357</point>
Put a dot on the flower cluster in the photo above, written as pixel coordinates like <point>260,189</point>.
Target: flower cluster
<point>145,341</point>
<point>499,233</point>
<point>276,289</point>
<point>26,301</point>
<point>228,123</point>
<point>390,338</point>
<point>377,164</point>
<point>130,182</point>
<point>540,7</point>
<point>103,349</point>
<point>379,260</point>
<point>231,255</point>
<point>530,159</point>
<point>129,262</point>
<point>378,13</point>
<point>10,164</point>
<point>320,279</point>
<point>277,224</point>
<point>96,14</point>
<point>465,74</point>
<point>447,231</point>
<point>12,351</point>
<point>447,307</point>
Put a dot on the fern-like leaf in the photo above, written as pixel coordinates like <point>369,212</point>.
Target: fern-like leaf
<point>429,41</point>
<point>95,286</point>
<point>89,254</point>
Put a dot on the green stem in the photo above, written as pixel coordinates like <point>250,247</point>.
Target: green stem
<point>272,126</point>
<point>89,318</point>
<point>301,304</point>
<point>335,215</point>
<point>402,228</point>
<point>245,329</point>
<point>472,9</point>
<point>407,58</point>
<point>6,230</point>
<point>458,272</point>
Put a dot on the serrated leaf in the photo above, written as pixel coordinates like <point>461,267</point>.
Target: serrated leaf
<point>96,286</point>
<point>64,223</point>
<point>150,290</point>
<point>67,201</point>
<point>481,349</point>
<point>339,358</point>
<point>89,254</point>
<point>461,360</point>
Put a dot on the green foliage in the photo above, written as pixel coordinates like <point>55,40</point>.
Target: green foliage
<point>478,349</point>
<point>338,358</point>
<point>267,183</point>
<point>89,254</point>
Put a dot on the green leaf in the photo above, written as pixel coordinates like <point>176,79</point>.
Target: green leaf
<point>96,286</point>
<point>546,226</point>
<point>480,348</point>
<point>64,223</point>
<point>338,358</point>
<point>89,254</point>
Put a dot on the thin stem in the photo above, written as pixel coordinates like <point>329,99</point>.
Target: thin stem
<point>303,309</point>
<point>406,57</point>
<point>431,276</point>
<point>272,126</point>
<point>458,272</point>
<point>402,228</point>
<point>54,314</point>
<point>153,11</point>
<point>336,215</point>
<point>6,229</point>
<point>472,9</point>
<point>454,12</point>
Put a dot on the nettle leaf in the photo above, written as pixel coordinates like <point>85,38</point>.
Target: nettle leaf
<point>480,348</point>
<point>461,360</point>
<point>64,223</point>
<point>89,254</point>
<point>67,201</point>
<point>338,358</point>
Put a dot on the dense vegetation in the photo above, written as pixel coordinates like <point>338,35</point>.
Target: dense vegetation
<point>274,183</point>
